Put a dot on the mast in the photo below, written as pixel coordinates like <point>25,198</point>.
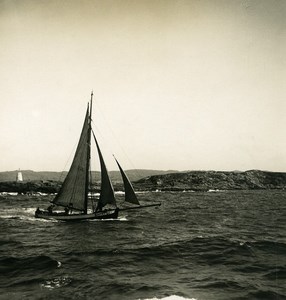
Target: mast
<point>88,156</point>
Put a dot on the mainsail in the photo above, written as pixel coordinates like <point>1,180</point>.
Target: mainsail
<point>107,193</point>
<point>130,195</point>
<point>74,189</point>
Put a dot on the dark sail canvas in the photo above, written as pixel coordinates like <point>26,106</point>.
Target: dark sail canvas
<point>73,190</point>
<point>73,195</point>
<point>130,195</point>
<point>107,192</point>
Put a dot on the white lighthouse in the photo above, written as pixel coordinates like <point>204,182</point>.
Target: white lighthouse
<point>19,176</point>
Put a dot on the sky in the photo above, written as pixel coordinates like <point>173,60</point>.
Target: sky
<point>178,85</point>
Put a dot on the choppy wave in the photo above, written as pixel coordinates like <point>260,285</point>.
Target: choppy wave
<point>16,264</point>
<point>265,294</point>
<point>277,272</point>
<point>22,213</point>
<point>203,246</point>
<point>24,271</point>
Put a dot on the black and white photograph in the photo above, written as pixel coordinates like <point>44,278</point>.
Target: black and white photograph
<point>143,149</point>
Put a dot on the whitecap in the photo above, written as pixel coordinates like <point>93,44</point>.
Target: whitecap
<point>108,220</point>
<point>56,283</point>
<point>119,193</point>
<point>172,297</point>
<point>7,217</point>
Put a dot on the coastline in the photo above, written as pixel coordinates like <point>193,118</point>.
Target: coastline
<point>177,181</point>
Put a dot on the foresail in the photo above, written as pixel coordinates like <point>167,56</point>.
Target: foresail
<point>107,193</point>
<point>130,195</point>
<point>73,191</point>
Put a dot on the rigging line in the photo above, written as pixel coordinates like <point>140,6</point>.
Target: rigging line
<point>67,161</point>
<point>110,129</point>
<point>117,140</point>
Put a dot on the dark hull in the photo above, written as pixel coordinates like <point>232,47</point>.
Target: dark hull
<point>41,214</point>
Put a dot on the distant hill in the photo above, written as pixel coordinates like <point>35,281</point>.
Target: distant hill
<point>48,182</point>
<point>29,175</point>
<point>212,180</point>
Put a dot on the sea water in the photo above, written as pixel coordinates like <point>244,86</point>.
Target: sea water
<point>203,246</point>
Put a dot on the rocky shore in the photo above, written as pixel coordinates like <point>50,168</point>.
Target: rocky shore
<point>214,180</point>
<point>192,180</point>
<point>30,187</point>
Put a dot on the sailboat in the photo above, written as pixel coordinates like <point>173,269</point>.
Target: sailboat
<point>73,201</point>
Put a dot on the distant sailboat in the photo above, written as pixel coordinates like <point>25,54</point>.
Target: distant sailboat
<point>73,196</point>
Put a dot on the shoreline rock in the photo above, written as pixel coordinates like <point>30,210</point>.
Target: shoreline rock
<point>214,180</point>
<point>182,181</point>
